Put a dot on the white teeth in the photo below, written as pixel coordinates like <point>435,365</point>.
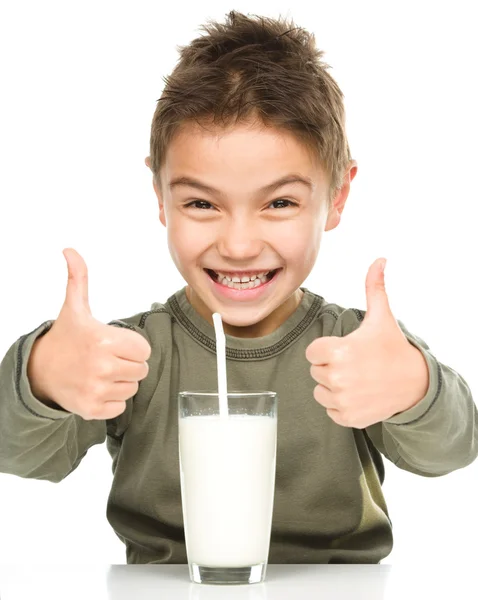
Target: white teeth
<point>243,279</point>
<point>221,276</point>
<point>242,283</point>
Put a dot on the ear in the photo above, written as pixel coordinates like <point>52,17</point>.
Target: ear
<point>338,204</point>
<point>162,216</point>
<point>162,212</point>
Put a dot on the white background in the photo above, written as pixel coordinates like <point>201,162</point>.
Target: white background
<point>80,82</point>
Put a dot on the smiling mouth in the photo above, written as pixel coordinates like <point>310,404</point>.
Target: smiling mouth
<point>242,283</point>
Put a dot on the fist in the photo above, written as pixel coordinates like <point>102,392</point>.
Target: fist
<point>374,372</point>
<point>86,367</point>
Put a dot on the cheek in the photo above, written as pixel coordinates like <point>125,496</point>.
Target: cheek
<point>299,242</point>
<point>187,240</point>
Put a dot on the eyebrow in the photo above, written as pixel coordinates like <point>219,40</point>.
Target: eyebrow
<point>287,179</point>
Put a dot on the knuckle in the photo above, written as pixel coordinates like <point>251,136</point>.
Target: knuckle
<point>147,351</point>
<point>121,407</point>
<point>95,391</point>
<point>346,418</point>
<point>336,354</point>
<point>92,412</point>
<point>339,351</point>
<point>332,414</point>
<point>85,389</point>
<point>317,392</point>
<point>105,370</point>
<point>310,351</point>
<point>336,379</point>
<point>127,391</point>
<point>341,401</point>
<point>83,413</point>
<point>96,344</point>
<point>339,417</point>
<point>141,344</point>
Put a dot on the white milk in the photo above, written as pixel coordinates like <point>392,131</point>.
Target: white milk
<point>227,479</point>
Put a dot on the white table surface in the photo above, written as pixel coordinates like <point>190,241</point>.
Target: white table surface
<point>283,582</point>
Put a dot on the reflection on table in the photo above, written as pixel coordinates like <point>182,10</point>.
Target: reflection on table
<point>283,582</point>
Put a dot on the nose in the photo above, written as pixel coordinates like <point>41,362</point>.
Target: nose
<point>239,241</point>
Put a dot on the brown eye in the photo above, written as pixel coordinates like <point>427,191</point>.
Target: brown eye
<point>202,204</point>
<point>282,203</point>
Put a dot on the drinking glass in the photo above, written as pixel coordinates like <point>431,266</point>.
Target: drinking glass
<point>227,468</point>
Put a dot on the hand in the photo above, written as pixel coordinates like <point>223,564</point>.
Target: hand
<point>86,367</point>
<point>374,372</point>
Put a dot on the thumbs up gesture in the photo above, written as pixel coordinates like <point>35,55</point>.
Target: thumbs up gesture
<point>374,372</point>
<point>86,367</point>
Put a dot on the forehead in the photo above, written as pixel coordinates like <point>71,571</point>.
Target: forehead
<point>248,150</point>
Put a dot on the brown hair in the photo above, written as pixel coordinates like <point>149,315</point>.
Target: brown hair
<point>255,68</point>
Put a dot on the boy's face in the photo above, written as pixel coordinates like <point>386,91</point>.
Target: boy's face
<point>228,218</point>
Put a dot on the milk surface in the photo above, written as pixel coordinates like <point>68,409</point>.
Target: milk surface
<point>227,481</point>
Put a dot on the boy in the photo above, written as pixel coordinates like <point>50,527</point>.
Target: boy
<point>250,165</point>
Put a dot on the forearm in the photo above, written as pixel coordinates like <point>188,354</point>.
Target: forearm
<point>35,372</point>
<point>439,434</point>
<point>37,441</point>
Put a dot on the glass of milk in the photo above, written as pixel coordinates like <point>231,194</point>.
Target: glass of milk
<point>227,465</point>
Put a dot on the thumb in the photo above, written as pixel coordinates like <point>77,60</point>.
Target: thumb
<point>77,286</point>
<point>378,307</point>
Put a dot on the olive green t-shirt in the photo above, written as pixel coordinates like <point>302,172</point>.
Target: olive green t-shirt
<point>328,505</point>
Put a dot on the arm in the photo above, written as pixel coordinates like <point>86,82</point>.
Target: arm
<point>38,438</point>
<point>35,373</point>
<point>437,435</point>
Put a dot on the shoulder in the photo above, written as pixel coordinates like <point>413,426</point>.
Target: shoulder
<point>151,324</point>
<point>340,321</point>
<point>336,319</point>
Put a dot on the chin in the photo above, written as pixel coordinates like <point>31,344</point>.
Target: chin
<point>241,322</point>
<point>249,318</point>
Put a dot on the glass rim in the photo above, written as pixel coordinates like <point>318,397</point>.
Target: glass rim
<point>229,394</point>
